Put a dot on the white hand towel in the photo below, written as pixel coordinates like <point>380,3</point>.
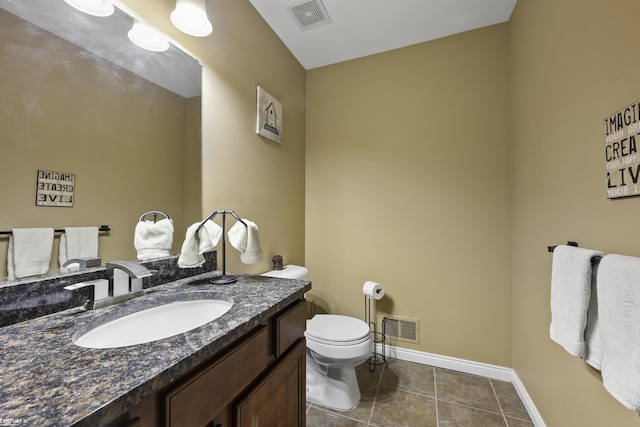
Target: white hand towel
<point>570,294</point>
<point>247,241</point>
<point>153,239</point>
<point>77,242</point>
<point>29,252</point>
<point>195,244</point>
<point>619,315</point>
<point>593,341</point>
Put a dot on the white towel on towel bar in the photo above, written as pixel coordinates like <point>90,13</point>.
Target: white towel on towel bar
<point>195,244</point>
<point>619,314</point>
<point>570,295</point>
<point>247,241</point>
<point>29,252</point>
<point>77,242</point>
<point>593,350</point>
<point>153,239</point>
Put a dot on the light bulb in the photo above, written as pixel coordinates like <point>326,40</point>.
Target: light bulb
<point>147,37</point>
<point>93,7</point>
<point>190,17</point>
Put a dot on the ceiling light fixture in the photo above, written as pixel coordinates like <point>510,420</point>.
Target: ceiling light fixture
<point>93,7</point>
<point>190,16</point>
<point>147,37</point>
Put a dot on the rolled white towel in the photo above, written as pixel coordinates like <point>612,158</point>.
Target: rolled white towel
<point>29,252</point>
<point>153,239</point>
<point>196,244</point>
<point>247,241</point>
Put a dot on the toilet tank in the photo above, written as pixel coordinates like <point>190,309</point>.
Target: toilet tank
<point>289,271</point>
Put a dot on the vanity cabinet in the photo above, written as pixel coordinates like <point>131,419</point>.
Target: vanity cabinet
<point>258,381</point>
<point>279,399</point>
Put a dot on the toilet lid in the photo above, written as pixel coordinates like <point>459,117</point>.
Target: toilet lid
<point>336,328</point>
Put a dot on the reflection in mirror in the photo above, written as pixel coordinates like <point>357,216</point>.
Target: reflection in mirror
<point>77,96</point>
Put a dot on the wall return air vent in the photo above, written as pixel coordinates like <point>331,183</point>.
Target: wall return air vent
<point>309,14</point>
<point>401,328</point>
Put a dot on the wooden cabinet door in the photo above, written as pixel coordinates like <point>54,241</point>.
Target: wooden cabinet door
<point>199,399</point>
<point>279,399</point>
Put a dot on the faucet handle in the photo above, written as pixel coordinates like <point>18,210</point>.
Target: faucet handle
<point>84,263</point>
<point>98,290</point>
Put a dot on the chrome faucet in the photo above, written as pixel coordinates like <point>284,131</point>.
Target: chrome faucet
<point>84,263</point>
<point>123,282</point>
<point>125,277</point>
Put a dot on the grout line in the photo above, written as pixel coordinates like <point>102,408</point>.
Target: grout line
<point>435,394</point>
<point>504,418</point>
<point>334,413</point>
<point>473,407</point>
<point>375,395</point>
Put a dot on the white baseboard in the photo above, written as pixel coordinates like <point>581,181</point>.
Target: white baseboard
<point>470,367</point>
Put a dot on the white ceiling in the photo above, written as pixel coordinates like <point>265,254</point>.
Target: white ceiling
<point>365,27</point>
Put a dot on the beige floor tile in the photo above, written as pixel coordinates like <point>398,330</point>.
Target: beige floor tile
<point>509,400</point>
<point>365,375</point>
<point>396,408</point>
<point>408,376</point>
<point>317,417</point>
<point>512,422</point>
<point>452,415</point>
<point>466,389</point>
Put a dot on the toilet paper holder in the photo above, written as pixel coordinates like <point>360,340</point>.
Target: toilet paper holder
<point>376,358</point>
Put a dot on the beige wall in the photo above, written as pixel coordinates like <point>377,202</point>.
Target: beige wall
<point>122,136</point>
<point>259,179</point>
<point>408,185</point>
<point>572,63</point>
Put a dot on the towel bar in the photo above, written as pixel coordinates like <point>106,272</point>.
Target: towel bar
<point>570,243</point>
<point>103,228</point>
<point>551,248</point>
<point>155,215</point>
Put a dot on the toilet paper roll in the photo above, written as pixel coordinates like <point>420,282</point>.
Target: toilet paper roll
<point>373,290</point>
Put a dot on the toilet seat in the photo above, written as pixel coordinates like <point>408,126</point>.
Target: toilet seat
<point>335,329</point>
<point>338,343</point>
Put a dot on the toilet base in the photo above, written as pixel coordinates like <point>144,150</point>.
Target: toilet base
<point>332,386</point>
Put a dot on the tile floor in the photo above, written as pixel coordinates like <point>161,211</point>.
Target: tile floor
<point>406,394</point>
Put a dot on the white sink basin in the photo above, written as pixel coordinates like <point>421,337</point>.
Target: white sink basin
<point>154,323</point>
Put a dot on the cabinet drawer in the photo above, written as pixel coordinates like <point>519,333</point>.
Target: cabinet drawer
<point>289,326</point>
<point>197,401</point>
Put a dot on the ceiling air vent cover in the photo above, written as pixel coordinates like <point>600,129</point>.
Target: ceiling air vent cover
<point>309,14</point>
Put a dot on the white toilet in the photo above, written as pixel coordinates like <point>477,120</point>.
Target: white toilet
<point>335,346</point>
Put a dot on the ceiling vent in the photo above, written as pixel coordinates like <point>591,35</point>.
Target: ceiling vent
<point>309,14</point>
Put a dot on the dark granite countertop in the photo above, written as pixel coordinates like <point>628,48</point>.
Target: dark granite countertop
<point>46,380</point>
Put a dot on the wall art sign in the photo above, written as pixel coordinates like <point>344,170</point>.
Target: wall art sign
<point>55,188</point>
<point>269,116</point>
<point>622,132</point>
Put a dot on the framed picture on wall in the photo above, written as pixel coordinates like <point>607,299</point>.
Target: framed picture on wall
<point>269,116</point>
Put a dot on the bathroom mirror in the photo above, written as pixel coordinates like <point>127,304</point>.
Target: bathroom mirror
<point>77,96</point>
